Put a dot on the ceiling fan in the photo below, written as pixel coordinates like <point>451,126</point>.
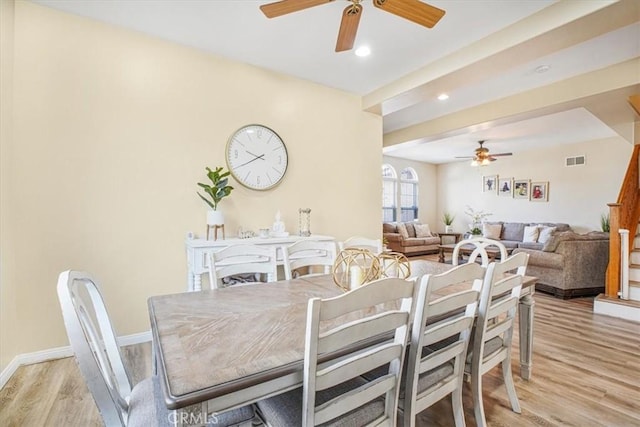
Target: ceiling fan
<point>413,10</point>
<point>482,156</point>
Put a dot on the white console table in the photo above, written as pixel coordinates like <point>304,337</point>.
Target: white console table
<point>197,250</point>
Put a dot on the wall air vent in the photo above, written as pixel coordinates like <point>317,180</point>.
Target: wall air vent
<point>574,161</point>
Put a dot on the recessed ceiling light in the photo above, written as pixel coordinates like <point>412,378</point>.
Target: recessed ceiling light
<point>363,51</point>
<point>443,97</point>
<point>542,69</point>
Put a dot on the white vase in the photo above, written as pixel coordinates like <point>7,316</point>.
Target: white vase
<point>215,217</point>
<point>448,229</point>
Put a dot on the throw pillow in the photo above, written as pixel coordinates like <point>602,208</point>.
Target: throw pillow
<point>545,233</point>
<point>491,231</point>
<point>530,234</point>
<point>402,229</point>
<point>422,230</point>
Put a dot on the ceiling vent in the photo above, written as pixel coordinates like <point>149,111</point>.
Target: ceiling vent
<point>574,161</point>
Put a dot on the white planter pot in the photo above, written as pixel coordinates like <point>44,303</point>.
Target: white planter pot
<point>215,217</point>
<point>448,229</point>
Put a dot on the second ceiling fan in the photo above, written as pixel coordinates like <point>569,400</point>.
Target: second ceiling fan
<point>482,156</point>
<point>413,10</point>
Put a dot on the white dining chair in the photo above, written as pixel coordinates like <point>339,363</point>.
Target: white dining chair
<point>311,255</point>
<point>343,341</point>
<point>242,264</point>
<point>445,322</point>
<point>98,355</point>
<point>373,245</point>
<point>479,244</point>
<point>494,328</point>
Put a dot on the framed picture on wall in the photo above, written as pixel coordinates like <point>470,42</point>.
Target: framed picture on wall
<point>490,183</point>
<point>505,187</point>
<point>540,191</point>
<point>521,189</point>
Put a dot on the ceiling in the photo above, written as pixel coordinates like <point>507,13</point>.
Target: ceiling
<point>481,53</point>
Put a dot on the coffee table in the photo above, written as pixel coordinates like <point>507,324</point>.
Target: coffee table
<point>492,252</point>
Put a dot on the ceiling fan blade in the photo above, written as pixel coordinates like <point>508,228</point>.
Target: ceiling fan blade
<point>413,10</point>
<point>348,27</point>
<point>283,7</point>
<point>464,157</point>
<point>501,154</point>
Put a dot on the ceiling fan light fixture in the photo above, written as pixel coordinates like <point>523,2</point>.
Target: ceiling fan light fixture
<point>363,51</point>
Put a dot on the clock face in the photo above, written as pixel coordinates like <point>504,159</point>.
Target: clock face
<point>257,157</point>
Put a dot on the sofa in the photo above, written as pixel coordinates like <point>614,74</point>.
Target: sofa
<point>410,238</point>
<point>527,235</point>
<point>570,264</point>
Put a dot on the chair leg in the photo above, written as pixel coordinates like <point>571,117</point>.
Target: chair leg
<point>511,388</point>
<point>478,405</point>
<point>458,409</point>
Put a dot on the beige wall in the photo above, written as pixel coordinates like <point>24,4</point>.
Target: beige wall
<point>577,195</point>
<point>8,308</point>
<point>112,131</point>
<point>426,189</point>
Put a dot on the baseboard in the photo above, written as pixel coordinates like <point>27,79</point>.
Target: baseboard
<point>59,353</point>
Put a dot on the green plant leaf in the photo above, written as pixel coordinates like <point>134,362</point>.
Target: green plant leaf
<point>206,201</point>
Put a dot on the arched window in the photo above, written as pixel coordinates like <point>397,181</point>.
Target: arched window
<point>408,195</point>
<point>389,185</point>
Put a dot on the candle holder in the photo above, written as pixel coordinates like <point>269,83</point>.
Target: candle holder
<point>354,267</point>
<point>305,222</point>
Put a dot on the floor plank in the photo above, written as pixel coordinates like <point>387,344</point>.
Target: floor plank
<point>586,373</point>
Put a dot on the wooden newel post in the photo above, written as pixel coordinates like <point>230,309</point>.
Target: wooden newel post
<point>613,270</point>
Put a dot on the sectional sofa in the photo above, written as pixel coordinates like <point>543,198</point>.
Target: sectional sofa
<point>567,264</point>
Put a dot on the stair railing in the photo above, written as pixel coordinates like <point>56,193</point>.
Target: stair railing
<point>623,215</point>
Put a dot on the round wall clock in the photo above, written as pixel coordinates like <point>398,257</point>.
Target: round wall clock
<point>257,157</point>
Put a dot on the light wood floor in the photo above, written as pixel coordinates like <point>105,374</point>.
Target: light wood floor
<point>586,373</point>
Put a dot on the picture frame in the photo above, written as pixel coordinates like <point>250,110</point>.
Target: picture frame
<point>505,187</point>
<point>540,191</point>
<point>521,188</point>
<point>490,184</point>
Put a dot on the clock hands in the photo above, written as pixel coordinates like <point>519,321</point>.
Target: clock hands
<point>255,157</point>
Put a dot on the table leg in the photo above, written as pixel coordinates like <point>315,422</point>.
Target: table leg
<point>441,256</point>
<point>525,310</point>
<point>197,282</point>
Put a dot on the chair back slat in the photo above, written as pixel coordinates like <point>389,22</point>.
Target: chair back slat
<point>374,326</point>
<point>236,260</point>
<point>309,254</point>
<point>445,329</point>
<point>94,345</point>
<point>354,399</point>
<point>452,302</point>
<point>347,326</point>
<point>357,365</point>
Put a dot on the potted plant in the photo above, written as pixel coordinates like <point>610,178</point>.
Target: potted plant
<point>217,191</point>
<point>447,218</point>
<point>477,217</point>
<point>604,222</point>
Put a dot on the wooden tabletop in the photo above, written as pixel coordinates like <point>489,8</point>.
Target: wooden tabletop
<point>214,342</point>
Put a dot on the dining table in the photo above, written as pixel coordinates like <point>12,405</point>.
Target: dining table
<point>221,349</point>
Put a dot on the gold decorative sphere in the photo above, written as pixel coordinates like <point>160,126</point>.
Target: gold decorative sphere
<point>394,264</point>
<point>354,267</point>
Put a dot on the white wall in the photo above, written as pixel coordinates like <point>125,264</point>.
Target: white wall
<point>577,195</point>
<point>427,189</point>
<point>111,132</point>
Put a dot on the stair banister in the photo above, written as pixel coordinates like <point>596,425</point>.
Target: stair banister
<point>624,214</point>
